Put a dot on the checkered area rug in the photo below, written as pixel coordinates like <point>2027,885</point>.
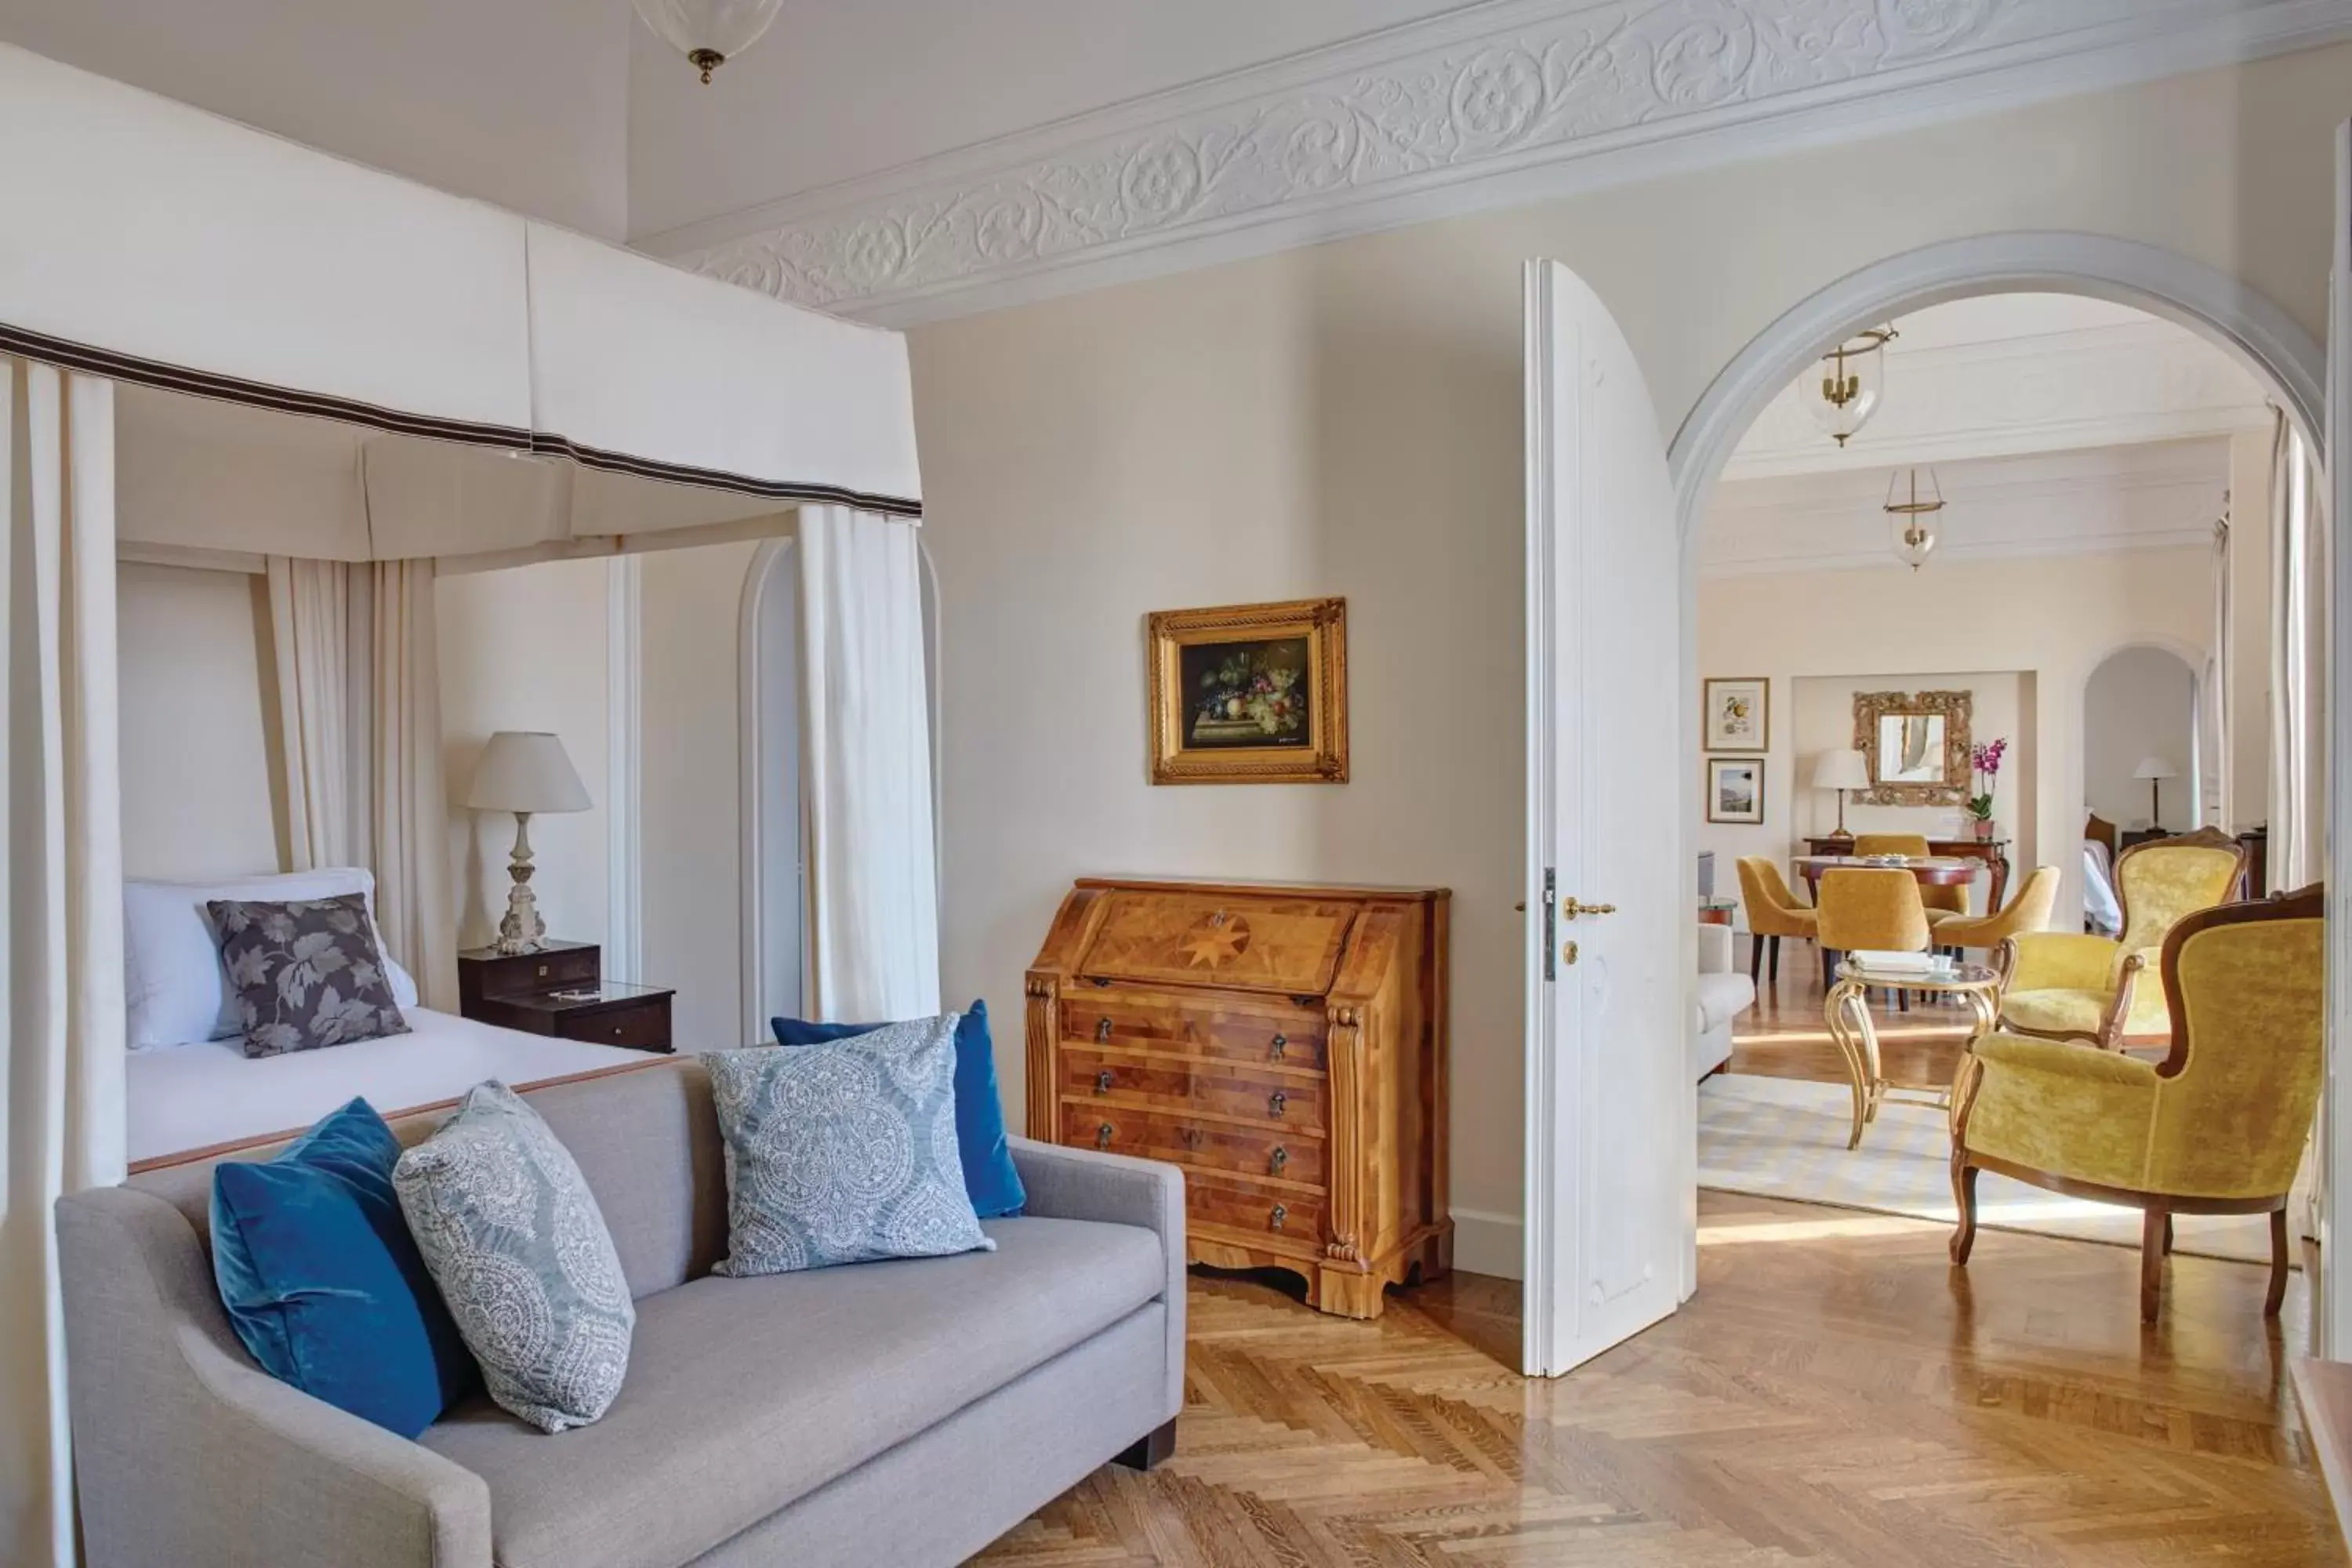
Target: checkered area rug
<point>1785,1138</point>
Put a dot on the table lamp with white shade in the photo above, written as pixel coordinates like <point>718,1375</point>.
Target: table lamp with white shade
<point>525,771</point>
<point>2155,770</point>
<point>1840,770</point>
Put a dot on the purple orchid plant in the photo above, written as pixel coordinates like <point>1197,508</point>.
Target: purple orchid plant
<point>1986,760</point>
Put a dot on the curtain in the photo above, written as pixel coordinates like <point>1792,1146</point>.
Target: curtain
<point>2300,568</point>
<point>409,808</point>
<point>310,629</point>
<point>2213,729</point>
<point>866,764</point>
<point>61,1098</point>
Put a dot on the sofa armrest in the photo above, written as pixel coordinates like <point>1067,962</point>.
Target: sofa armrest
<point>186,1452</point>
<point>1714,949</point>
<point>1079,1183</point>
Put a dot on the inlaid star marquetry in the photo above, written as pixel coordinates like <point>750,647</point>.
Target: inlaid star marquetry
<point>1217,944</point>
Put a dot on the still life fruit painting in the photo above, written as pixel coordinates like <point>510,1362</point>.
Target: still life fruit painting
<point>1250,693</point>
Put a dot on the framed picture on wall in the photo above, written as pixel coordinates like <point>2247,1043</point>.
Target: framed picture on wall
<point>1735,790</point>
<point>1250,694</point>
<point>1736,714</point>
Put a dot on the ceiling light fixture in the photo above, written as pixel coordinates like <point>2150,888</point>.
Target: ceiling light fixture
<point>708,33</point>
<point>1853,379</point>
<point>1912,510</point>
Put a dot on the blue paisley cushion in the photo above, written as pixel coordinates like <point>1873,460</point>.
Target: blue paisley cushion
<point>305,972</point>
<point>510,1232</point>
<point>842,1153</point>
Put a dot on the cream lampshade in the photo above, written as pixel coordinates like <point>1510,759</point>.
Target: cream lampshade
<point>1840,770</point>
<point>2155,770</point>
<point>525,771</point>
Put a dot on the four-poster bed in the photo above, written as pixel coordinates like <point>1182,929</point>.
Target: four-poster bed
<point>221,349</point>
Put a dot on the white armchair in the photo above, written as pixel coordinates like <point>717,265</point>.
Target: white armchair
<point>1723,994</point>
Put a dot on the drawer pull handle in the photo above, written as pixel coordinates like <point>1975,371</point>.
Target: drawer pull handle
<point>1193,1137</point>
<point>1277,1101</point>
<point>1274,1220</point>
<point>616,1032</point>
<point>1281,1158</point>
<point>1102,1136</point>
<point>1103,1082</point>
<point>1102,1030</point>
<point>1281,1046</point>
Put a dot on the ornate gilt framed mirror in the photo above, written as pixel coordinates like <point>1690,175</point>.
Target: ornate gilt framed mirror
<point>1916,745</point>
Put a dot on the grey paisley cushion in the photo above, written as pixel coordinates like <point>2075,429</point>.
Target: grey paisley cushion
<point>510,1232</point>
<point>842,1153</point>
<point>307,972</point>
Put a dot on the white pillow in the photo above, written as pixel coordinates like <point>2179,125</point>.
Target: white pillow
<point>173,986</point>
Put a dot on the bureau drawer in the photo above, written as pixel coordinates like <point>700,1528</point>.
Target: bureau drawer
<point>1277,1153</point>
<point>1178,1088</point>
<point>1231,1028</point>
<point>1223,1207</point>
<point>643,1026</point>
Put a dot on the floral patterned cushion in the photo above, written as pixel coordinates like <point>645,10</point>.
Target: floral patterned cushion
<point>307,972</point>
<point>842,1153</point>
<point>512,1236</point>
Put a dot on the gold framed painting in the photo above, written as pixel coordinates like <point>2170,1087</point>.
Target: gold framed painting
<point>1250,694</point>
<point>1736,713</point>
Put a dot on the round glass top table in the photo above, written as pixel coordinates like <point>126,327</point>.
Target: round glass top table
<point>1847,1011</point>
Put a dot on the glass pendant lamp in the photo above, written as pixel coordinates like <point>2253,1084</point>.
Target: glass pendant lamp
<point>708,33</point>
<point>1912,510</point>
<point>1852,383</point>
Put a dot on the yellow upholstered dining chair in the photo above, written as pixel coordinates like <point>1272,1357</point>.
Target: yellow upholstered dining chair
<point>2217,1127</point>
<point>1938,902</point>
<point>2029,910</point>
<point>2062,987</point>
<point>1870,907</point>
<point>1773,912</point>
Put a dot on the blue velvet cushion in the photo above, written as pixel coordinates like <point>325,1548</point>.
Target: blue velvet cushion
<point>324,1282</point>
<point>989,1178</point>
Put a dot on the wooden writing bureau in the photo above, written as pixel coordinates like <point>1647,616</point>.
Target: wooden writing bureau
<point>1284,1044</point>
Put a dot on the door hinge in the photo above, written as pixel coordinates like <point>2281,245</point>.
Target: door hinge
<point>1550,918</point>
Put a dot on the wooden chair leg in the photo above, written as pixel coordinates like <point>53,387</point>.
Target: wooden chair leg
<point>1964,1196</point>
<point>1754,956</point>
<point>2277,1296</point>
<point>2151,1262</point>
<point>2167,1235</point>
<point>1776,963</point>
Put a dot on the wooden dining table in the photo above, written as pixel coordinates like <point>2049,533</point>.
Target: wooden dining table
<point>1932,870</point>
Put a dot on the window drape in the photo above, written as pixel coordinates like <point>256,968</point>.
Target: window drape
<point>2300,569</point>
<point>62,1124</point>
<point>866,766</point>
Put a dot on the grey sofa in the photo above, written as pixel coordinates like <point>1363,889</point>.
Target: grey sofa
<point>903,1414</point>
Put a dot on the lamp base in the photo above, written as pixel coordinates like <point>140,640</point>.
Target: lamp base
<point>521,930</point>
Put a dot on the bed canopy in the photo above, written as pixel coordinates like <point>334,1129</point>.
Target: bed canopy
<point>217,347</point>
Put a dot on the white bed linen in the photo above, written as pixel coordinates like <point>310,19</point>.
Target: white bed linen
<point>210,1092</point>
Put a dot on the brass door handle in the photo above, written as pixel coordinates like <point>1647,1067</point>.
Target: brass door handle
<point>1570,908</point>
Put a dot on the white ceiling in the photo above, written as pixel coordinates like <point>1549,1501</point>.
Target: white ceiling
<point>835,91</point>
<point>2054,424</point>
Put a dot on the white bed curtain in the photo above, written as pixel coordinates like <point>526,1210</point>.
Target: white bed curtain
<point>873,917</point>
<point>2300,568</point>
<point>63,1126</point>
<point>311,633</point>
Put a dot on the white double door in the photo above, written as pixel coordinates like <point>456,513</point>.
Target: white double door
<point>1611,1226</point>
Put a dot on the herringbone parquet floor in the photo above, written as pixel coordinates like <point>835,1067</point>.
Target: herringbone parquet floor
<point>1836,1393</point>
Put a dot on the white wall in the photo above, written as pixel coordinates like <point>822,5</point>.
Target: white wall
<point>524,649</point>
<point>1347,419</point>
<point>522,102</point>
<point>692,821</point>
<point>2140,703</point>
<point>199,786</point>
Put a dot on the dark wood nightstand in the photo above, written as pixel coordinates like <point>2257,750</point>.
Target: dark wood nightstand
<point>561,991</point>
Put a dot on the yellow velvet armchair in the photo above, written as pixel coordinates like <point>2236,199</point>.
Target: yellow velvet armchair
<point>1773,912</point>
<point>2028,914</point>
<point>2217,1127</point>
<point>1938,902</point>
<point>2059,985</point>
